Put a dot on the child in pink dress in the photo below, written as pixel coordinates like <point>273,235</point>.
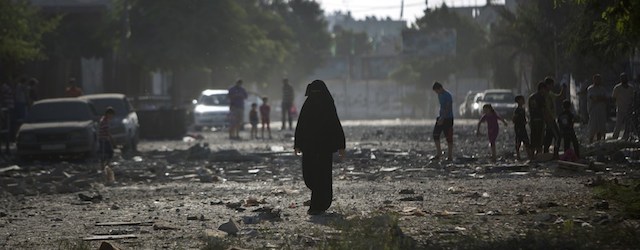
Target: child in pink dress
<point>490,116</point>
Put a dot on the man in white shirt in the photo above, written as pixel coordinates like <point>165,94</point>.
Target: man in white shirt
<point>623,95</point>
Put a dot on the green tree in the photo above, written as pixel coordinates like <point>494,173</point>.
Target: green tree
<point>470,41</point>
<point>306,20</point>
<point>349,43</point>
<point>21,32</point>
<point>536,35</point>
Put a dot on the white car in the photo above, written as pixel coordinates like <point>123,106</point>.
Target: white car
<point>502,101</point>
<point>211,109</point>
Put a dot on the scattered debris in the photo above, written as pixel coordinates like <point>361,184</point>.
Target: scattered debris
<point>407,191</point>
<point>125,223</point>
<point>95,198</point>
<point>107,246</point>
<point>413,198</point>
<point>163,226</point>
<point>110,237</point>
<point>230,227</point>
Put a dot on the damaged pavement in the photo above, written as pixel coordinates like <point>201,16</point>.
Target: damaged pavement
<point>173,194</point>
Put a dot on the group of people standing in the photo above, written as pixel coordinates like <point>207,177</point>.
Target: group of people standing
<point>15,100</point>
<point>237,96</point>
<point>547,125</point>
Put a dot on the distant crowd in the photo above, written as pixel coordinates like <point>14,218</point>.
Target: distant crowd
<point>547,128</point>
<point>17,97</point>
<point>237,96</point>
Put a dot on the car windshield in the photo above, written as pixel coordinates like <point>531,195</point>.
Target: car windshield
<point>214,100</point>
<point>60,112</point>
<point>498,97</point>
<point>117,104</point>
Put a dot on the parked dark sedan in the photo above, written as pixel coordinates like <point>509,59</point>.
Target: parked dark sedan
<point>62,126</point>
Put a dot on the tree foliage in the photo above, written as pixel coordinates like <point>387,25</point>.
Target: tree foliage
<point>349,43</point>
<point>254,39</point>
<point>470,42</point>
<point>21,32</point>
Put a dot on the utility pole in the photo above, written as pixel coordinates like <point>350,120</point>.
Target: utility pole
<point>401,9</point>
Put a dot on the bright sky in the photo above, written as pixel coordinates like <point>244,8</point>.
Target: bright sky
<point>390,8</point>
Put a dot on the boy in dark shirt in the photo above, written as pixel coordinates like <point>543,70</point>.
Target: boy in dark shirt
<point>253,119</point>
<point>537,119</point>
<point>565,122</point>
<point>519,124</point>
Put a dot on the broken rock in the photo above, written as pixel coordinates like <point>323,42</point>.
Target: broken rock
<point>107,246</point>
<point>413,198</point>
<point>230,227</point>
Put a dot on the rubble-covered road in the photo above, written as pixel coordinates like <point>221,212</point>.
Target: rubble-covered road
<point>173,194</point>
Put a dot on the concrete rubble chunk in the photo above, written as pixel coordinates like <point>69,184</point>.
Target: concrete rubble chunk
<point>107,246</point>
<point>94,198</point>
<point>407,191</point>
<point>230,227</point>
<point>413,198</point>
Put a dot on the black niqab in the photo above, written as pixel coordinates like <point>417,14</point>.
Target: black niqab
<point>319,127</point>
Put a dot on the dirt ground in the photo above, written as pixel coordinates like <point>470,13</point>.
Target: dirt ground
<point>175,194</point>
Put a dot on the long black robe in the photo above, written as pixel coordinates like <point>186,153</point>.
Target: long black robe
<point>318,135</point>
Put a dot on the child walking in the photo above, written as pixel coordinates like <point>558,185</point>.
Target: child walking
<point>253,119</point>
<point>565,122</point>
<point>520,127</point>
<point>104,136</point>
<point>491,118</point>
<point>265,113</point>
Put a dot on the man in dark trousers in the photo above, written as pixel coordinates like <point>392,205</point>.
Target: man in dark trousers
<point>444,122</point>
<point>287,103</point>
<point>237,94</point>
<point>552,133</point>
<point>318,135</point>
<point>537,118</point>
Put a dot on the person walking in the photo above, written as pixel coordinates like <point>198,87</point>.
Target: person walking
<point>318,135</point>
<point>237,95</point>
<point>597,109</point>
<point>491,118</point>
<point>104,136</point>
<point>623,96</point>
<point>537,113</point>
<point>520,127</point>
<point>552,133</point>
<point>444,122</point>
<point>287,104</point>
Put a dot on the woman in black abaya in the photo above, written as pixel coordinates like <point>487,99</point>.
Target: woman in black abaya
<point>318,135</point>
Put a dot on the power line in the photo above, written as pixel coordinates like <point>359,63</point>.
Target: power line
<point>365,7</point>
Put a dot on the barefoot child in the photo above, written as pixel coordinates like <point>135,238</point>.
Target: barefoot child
<point>491,118</point>
<point>253,119</point>
<point>519,124</point>
<point>265,113</point>
<point>565,122</point>
<point>104,136</point>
